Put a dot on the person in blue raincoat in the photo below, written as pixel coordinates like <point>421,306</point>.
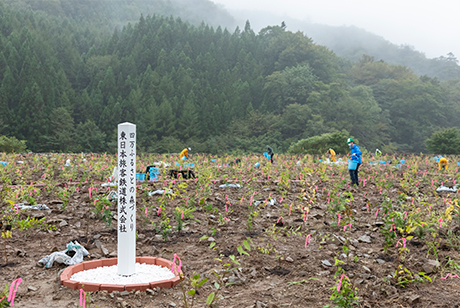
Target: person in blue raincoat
<point>355,156</point>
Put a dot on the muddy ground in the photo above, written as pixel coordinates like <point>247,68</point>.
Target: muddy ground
<point>264,280</point>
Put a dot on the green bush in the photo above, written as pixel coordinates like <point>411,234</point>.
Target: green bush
<point>444,142</point>
<point>320,144</point>
<point>11,144</point>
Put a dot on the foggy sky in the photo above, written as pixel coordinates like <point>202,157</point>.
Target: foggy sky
<point>432,27</point>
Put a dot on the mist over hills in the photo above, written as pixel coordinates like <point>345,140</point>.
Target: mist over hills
<point>352,43</point>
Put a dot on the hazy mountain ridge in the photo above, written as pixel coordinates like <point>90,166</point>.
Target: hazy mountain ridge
<point>352,43</point>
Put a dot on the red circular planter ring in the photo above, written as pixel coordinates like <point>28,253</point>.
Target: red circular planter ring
<point>92,287</point>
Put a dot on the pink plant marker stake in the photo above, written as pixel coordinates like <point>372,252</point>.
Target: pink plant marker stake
<point>307,240</point>
<point>82,298</point>
<point>440,222</point>
<point>281,218</point>
<point>450,276</point>
<point>338,224</point>
<point>340,282</point>
<point>376,213</point>
<point>12,293</point>
<point>404,242</point>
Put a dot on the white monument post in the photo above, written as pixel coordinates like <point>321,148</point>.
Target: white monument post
<point>126,199</point>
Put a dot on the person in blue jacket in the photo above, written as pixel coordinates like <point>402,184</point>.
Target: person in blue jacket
<point>355,156</point>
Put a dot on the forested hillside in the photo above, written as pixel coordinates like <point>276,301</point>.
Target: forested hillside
<point>65,85</point>
<point>352,43</point>
<point>110,14</point>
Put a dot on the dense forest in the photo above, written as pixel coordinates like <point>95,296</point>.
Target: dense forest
<point>67,81</point>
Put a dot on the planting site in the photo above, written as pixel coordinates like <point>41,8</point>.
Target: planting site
<point>289,234</point>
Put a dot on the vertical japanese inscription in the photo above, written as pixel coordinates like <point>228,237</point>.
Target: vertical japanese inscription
<point>126,199</point>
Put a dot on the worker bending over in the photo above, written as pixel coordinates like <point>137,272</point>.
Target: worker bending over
<point>184,153</point>
<point>443,163</point>
<point>332,152</point>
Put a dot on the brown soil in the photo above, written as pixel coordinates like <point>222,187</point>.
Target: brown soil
<point>262,278</point>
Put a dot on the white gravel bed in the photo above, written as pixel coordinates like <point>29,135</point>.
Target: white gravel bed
<point>145,273</point>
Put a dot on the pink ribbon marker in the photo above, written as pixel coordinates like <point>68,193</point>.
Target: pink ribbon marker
<point>174,264</point>
<point>307,240</point>
<point>340,282</point>
<point>345,227</point>
<point>82,298</point>
<point>440,221</point>
<point>339,221</point>
<point>12,293</point>
<point>404,242</point>
<point>450,276</point>
<point>281,218</point>
<point>376,213</point>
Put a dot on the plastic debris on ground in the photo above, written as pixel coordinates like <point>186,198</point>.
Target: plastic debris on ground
<point>160,192</point>
<point>230,185</point>
<point>73,254</point>
<point>298,163</point>
<point>257,164</point>
<point>161,164</point>
<point>109,184</point>
<point>113,196</point>
<point>381,162</point>
<point>4,163</point>
<point>153,173</point>
<point>67,163</point>
<point>20,162</point>
<point>22,206</point>
<point>339,162</point>
<point>187,165</point>
<point>445,188</point>
<point>271,202</point>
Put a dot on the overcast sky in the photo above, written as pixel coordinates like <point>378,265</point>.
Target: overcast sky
<point>432,27</point>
